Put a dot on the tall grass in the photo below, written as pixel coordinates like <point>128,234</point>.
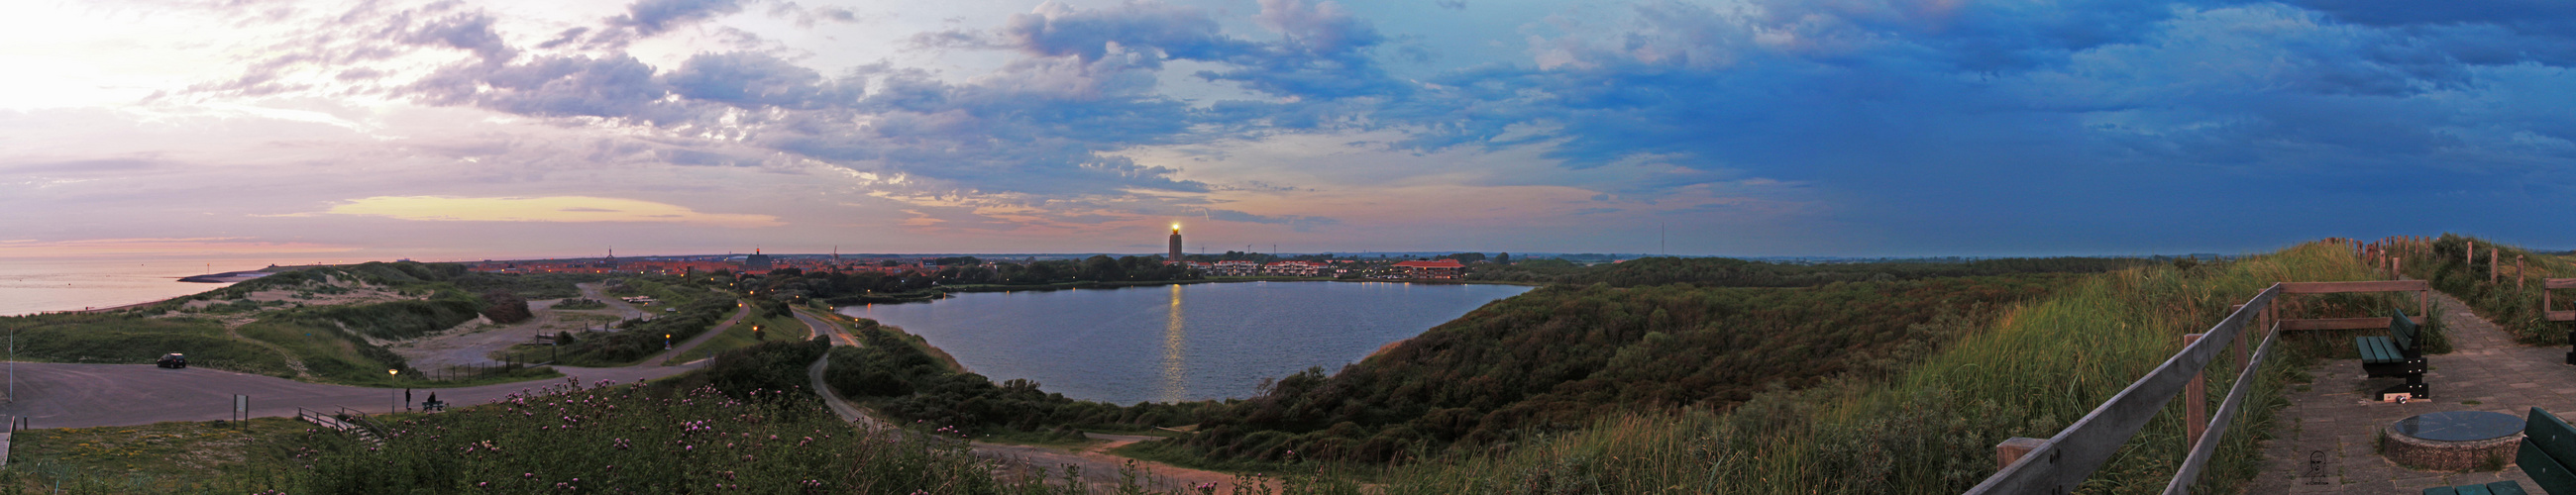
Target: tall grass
<point>2510,301</point>
<point>1933,429</point>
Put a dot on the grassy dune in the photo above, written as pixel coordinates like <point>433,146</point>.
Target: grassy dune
<point>1932,429</point>
<point>123,338</point>
<point>2510,302</point>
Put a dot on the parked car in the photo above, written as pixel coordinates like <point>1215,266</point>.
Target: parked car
<point>173,361</point>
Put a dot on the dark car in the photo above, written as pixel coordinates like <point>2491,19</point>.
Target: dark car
<point>173,361</point>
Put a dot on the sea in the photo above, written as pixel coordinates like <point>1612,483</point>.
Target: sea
<point>46,285</point>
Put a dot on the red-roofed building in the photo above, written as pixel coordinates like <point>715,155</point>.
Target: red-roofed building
<point>1430,269</point>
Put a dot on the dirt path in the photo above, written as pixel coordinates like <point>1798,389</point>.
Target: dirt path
<point>2326,441</point>
<point>740,312</point>
<point>1097,465</point>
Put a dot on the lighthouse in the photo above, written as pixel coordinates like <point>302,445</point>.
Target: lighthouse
<point>1176,245</point>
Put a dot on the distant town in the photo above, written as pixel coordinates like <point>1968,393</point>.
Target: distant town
<point>1231,264</point>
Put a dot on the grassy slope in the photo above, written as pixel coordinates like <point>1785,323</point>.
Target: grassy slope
<point>740,335</point>
<point>123,338</point>
<point>1932,429</point>
<point>1552,359</point>
<point>2511,305</point>
<point>173,457</point>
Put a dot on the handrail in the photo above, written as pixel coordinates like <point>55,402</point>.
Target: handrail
<point>2202,451</point>
<point>2066,459</point>
<point>360,419</point>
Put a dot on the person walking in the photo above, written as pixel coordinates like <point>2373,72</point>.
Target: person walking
<point>406,399</point>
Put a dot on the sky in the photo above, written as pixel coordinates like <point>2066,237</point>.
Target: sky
<point>460,129</point>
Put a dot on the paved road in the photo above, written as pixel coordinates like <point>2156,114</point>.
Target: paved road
<point>59,395</point>
<point>592,292</point>
<point>740,311</point>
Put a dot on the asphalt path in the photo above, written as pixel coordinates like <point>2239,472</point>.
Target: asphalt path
<point>62,395</point>
<point>592,291</point>
<point>741,311</point>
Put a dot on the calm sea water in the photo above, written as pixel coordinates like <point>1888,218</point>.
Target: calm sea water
<point>1180,342</point>
<point>36,285</point>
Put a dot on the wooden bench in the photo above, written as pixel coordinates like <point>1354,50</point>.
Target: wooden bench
<point>433,406</point>
<point>2395,355</point>
<point>2548,447</point>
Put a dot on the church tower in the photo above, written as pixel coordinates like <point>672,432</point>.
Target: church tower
<point>1176,245</point>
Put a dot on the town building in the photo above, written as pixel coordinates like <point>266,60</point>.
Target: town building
<point>1235,268</point>
<point>1294,268</point>
<point>1430,269</point>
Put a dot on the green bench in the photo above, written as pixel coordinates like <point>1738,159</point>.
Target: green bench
<point>2548,447</point>
<point>2395,355</point>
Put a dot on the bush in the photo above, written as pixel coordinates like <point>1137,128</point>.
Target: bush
<point>505,308</point>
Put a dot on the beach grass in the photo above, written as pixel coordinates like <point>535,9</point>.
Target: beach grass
<point>1933,429</point>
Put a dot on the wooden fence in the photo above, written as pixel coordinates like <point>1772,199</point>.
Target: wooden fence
<point>2058,464</point>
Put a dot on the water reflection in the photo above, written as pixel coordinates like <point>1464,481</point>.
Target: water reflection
<point>1176,384</point>
<point>1187,342</point>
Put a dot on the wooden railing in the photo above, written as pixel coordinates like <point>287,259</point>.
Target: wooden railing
<point>2555,283</point>
<point>2058,464</point>
<point>2061,462</point>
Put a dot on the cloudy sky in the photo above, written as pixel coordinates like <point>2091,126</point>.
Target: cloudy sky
<point>467,130</point>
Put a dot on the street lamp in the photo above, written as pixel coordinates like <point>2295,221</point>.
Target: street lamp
<point>395,399</point>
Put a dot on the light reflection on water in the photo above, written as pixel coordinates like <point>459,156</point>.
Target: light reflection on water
<point>1180,342</point>
<point>1175,380</point>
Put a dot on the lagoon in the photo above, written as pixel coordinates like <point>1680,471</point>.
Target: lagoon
<point>1178,342</point>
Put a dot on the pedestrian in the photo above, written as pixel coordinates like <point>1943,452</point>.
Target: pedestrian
<point>406,399</point>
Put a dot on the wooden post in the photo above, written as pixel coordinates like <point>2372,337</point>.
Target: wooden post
<point>2013,448</point>
<point>2195,404</point>
<point>2260,326</point>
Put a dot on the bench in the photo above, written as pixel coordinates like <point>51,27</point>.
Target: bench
<point>2548,447</point>
<point>2395,355</point>
<point>433,406</point>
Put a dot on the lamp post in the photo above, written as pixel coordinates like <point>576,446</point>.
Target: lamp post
<point>396,397</point>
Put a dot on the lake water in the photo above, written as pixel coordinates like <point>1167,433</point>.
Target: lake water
<point>39,285</point>
<point>1179,342</point>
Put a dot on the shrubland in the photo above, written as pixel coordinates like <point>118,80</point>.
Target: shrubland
<point>1552,359</point>
<point>1729,272</point>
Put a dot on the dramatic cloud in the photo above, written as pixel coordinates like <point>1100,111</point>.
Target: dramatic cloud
<point>1751,127</point>
<point>195,246</point>
<point>541,209</point>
